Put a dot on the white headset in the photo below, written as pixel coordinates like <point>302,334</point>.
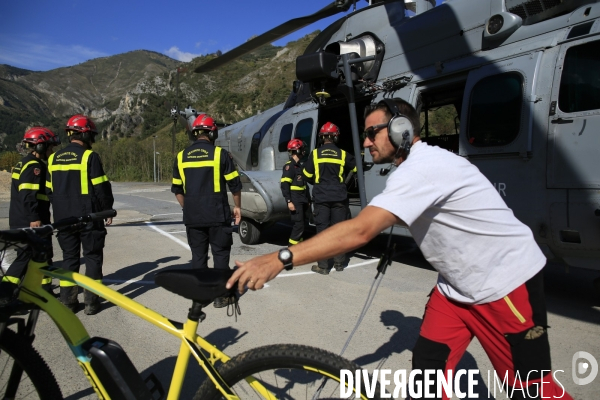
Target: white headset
<point>400,129</point>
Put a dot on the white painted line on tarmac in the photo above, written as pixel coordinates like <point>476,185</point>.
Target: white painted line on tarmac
<point>182,243</point>
<point>151,190</point>
<point>140,282</point>
<point>332,270</point>
<point>173,238</point>
<point>120,282</point>
<point>179,213</point>
<point>178,232</point>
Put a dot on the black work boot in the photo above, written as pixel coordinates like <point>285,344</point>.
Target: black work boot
<point>338,267</point>
<point>68,296</point>
<point>92,303</point>
<point>319,270</point>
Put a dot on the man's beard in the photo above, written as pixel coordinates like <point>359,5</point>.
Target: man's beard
<point>384,159</point>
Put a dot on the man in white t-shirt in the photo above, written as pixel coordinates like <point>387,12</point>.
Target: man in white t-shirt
<point>490,281</point>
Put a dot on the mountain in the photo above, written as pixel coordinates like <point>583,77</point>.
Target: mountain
<point>129,94</point>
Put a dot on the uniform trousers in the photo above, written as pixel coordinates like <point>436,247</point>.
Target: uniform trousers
<point>297,218</point>
<point>511,330</point>
<point>18,267</point>
<point>220,240</point>
<point>91,239</point>
<point>326,215</point>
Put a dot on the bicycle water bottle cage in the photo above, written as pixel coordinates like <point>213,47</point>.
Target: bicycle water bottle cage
<point>201,285</point>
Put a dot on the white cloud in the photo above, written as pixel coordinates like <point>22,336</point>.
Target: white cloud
<point>177,54</point>
<point>39,56</point>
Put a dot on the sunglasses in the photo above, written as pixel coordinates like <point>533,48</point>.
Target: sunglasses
<point>371,131</point>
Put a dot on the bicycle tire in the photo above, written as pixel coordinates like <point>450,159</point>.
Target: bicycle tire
<point>37,380</point>
<point>282,368</point>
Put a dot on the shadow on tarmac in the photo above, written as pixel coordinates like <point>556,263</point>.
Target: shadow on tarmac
<point>572,294</point>
<point>407,331</point>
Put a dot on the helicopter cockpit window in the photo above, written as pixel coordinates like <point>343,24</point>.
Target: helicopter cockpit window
<point>580,80</point>
<point>495,110</point>
<point>284,137</point>
<point>304,132</point>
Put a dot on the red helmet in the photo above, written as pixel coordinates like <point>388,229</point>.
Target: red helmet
<point>80,124</point>
<point>295,145</point>
<point>39,135</point>
<point>39,139</point>
<point>203,122</point>
<point>329,129</point>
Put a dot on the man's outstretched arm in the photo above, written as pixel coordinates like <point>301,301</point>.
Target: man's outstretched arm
<point>340,238</point>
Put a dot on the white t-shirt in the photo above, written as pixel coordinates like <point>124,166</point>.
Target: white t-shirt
<point>462,225</point>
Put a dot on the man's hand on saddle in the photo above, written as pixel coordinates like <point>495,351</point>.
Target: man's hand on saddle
<point>254,273</point>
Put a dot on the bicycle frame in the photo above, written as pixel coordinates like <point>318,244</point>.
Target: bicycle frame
<point>76,335</point>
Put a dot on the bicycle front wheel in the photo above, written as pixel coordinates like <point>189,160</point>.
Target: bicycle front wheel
<point>23,372</point>
<point>287,371</point>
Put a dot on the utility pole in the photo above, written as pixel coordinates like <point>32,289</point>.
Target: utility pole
<point>177,108</point>
<point>154,155</point>
<point>179,69</point>
<point>158,167</point>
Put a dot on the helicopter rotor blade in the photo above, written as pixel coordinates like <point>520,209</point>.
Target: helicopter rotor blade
<point>276,33</point>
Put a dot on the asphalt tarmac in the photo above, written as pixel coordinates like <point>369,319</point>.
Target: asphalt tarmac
<point>297,307</point>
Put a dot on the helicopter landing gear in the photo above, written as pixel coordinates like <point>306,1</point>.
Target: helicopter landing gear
<point>249,231</point>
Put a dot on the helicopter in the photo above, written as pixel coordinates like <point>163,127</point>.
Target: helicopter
<point>519,79</point>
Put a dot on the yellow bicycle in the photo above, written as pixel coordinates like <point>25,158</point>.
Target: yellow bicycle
<point>282,371</point>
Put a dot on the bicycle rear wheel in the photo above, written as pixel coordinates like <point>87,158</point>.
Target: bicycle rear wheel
<point>287,371</point>
<point>23,372</point>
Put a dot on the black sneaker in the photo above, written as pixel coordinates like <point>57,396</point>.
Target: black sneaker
<point>319,270</point>
<point>338,267</point>
<point>221,302</point>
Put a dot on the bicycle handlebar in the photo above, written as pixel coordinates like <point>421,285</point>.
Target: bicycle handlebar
<point>23,235</point>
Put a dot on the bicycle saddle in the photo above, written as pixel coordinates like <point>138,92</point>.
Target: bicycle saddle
<point>201,285</point>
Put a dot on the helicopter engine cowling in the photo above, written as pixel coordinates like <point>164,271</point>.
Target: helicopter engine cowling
<point>364,46</point>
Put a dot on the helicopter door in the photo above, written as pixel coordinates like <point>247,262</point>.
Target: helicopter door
<point>304,132</point>
<point>282,133</point>
<point>574,127</point>
<point>496,130</point>
<point>573,143</point>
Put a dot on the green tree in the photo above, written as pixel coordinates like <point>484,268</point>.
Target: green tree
<point>9,159</point>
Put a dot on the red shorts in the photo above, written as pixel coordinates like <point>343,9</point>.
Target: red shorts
<point>511,330</point>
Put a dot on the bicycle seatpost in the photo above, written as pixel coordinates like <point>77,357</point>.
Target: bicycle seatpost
<point>195,313</point>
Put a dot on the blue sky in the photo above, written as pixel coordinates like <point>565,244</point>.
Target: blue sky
<point>40,35</point>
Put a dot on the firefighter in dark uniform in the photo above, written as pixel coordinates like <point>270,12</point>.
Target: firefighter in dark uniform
<point>295,190</point>
<point>201,174</point>
<point>77,185</point>
<point>29,204</point>
<point>326,169</point>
